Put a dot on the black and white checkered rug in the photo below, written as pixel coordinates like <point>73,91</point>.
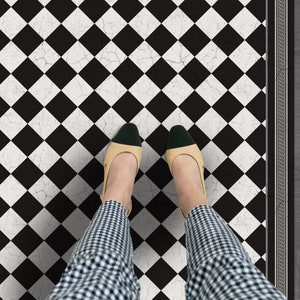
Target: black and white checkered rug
<point>71,73</point>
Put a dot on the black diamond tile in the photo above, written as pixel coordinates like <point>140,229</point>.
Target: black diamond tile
<point>194,9</point>
<point>257,240</point>
<point>27,106</point>
<point>228,106</point>
<point>257,106</point>
<point>55,272</point>
<point>257,173</point>
<point>61,9</point>
<point>91,173</point>
<point>94,40</point>
<point>61,73</point>
<point>136,239</point>
<point>161,73</point>
<point>257,39</point>
<point>27,9</point>
<point>127,73</point>
<point>156,138</point>
<point>161,106</point>
<point>4,107</point>
<point>3,73</point>
<point>94,106</point>
<point>257,140</point>
<point>3,140</point>
<point>194,39</point>
<point>228,73</point>
<point>27,240</point>
<point>61,173</point>
<point>60,207</point>
<point>27,73</point>
<point>25,35</point>
<point>27,140</point>
<point>199,137</point>
<point>194,73</point>
<point>60,240</point>
<point>257,73</point>
<point>90,205</point>
<point>136,205</point>
<point>3,175</point>
<point>27,296</point>
<point>138,272</point>
<point>161,9</point>
<point>161,40</point>
<point>27,207</point>
<point>161,273</point>
<point>228,9</point>
<point>94,73</point>
<point>3,274</point>
<point>228,207</point>
<point>27,273</point>
<point>160,296</point>
<point>127,106</point>
<point>228,40</point>
<point>127,12</point>
<point>60,140</point>
<point>161,207</point>
<point>194,106</point>
<point>261,265</point>
<point>182,241</point>
<point>3,40</point>
<point>127,40</point>
<point>94,140</point>
<point>257,206</point>
<point>3,7</point>
<point>258,9</point>
<point>61,106</point>
<point>228,134</point>
<point>4,240</point>
<point>228,173</point>
<point>183,273</point>
<point>60,40</point>
<point>94,9</point>
<point>159,173</point>
<point>4,207</point>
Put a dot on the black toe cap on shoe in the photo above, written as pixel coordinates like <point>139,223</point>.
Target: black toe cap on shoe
<point>179,137</point>
<point>129,135</point>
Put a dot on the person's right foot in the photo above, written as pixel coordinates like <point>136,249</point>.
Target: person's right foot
<point>188,183</point>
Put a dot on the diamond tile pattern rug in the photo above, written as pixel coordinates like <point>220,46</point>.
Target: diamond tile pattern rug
<point>73,72</point>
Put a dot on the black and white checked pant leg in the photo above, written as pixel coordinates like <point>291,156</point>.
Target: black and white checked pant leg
<point>218,265</point>
<point>101,265</point>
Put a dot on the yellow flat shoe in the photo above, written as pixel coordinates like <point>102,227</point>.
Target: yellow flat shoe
<point>181,142</point>
<point>126,140</point>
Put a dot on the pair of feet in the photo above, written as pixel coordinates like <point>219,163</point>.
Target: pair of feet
<point>186,176</point>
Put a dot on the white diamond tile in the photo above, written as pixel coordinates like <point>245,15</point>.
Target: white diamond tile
<point>211,23</point>
<point>11,57</point>
<point>178,23</point>
<point>11,223</point>
<point>11,157</point>
<point>145,257</point>
<point>11,257</point>
<point>144,23</point>
<point>244,223</point>
<point>244,23</point>
<point>11,190</point>
<point>178,251</point>
<point>44,23</point>
<point>175,289</point>
<point>77,56</point>
<point>11,90</point>
<point>244,156</point>
<point>44,123</point>
<point>11,23</point>
<point>11,289</point>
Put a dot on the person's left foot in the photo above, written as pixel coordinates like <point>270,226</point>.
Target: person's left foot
<point>120,180</point>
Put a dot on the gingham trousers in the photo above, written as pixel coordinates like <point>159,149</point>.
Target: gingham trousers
<point>101,265</point>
